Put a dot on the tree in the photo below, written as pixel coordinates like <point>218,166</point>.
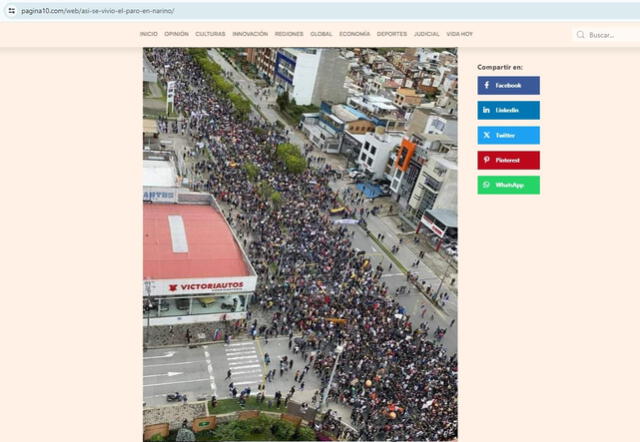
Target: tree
<point>295,164</point>
<point>283,100</point>
<point>252,171</point>
<point>264,189</point>
<point>291,157</point>
<point>276,199</point>
<point>283,430</point>
<point>185,435</point>
<point>304,433</point>
<point>241,105</point>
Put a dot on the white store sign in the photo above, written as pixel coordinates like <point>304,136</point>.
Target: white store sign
<point>160,194</point>
<point>431,226</point>
<point>200,286</point>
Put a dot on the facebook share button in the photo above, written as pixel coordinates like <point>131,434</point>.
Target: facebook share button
<point>508,85</point>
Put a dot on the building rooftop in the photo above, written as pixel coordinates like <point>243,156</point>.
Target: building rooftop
<point>448,217</point>
<point>158,173</point>
<point>189,241</point>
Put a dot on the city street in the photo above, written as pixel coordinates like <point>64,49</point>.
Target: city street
<point>376,224</point>
<point>202,372</point>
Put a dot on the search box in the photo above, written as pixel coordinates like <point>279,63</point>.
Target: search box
<point>606,34</point>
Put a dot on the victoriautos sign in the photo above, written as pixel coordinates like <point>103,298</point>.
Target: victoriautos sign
<point>160,194</point>
<point>171,287</point>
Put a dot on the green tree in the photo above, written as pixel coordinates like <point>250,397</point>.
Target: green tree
<point>283,100</point>
<point>264,189</point>
<point>242,106</point>
<point>291,157</point>
<point>252,171</point>
<point>295,164</point>
<point>283,430</point>
<point>276,199</point>
<point>185,435</point>
<point>220,84</point>
<point>304,433</point>
<point>235,430</point>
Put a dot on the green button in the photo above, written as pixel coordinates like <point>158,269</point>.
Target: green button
<point>508,185</point>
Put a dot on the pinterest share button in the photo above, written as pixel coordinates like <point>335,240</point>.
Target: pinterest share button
<point>499,160</point>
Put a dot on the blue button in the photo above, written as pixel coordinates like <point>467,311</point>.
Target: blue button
<point>508,110</point>
<point>508,85</point>
<point>508,134</point>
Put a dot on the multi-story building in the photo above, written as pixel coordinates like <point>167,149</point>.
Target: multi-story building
<point>412,154</point>
<point>433,120</point>
<point>325,129</point>
<point>265,60</point>
<point>311,75</point>
<point>406,98</point>
<point>437,186</point>
<point>376,148</point>
<point>381,110</point>
<point>251,54</point>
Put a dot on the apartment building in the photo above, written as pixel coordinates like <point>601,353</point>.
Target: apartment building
<point>311,75</point>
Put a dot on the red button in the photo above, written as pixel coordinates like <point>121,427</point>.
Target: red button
<point>491,159</point>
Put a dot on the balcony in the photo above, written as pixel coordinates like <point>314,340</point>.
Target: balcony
<point>432,183</point>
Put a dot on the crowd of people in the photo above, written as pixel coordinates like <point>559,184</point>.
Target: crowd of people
<point>399,383</point>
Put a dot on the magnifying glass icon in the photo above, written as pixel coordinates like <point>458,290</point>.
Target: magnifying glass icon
<point>580,34</point>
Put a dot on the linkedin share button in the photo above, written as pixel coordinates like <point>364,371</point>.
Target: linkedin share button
<point>508,110</point>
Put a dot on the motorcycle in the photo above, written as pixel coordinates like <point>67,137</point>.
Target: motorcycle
<point>175,397</point>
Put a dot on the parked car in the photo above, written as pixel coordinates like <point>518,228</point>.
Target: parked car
<point>205,302</point>
<point>182,303</point>
<point>355,173</point>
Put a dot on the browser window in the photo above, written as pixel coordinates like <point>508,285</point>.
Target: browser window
<point>320,221</point>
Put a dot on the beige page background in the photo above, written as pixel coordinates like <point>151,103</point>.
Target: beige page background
<point>548,294</point>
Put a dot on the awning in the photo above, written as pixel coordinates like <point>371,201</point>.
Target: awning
<point>447,217</point>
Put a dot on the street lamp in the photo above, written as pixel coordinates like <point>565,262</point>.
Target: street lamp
<point>446,272</point>
<point>339,350</point>
<point>147,307</point>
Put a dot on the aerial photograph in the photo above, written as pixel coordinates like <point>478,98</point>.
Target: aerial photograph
<point>300,244</point>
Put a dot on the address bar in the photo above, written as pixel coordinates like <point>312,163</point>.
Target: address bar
<point>604,35</point>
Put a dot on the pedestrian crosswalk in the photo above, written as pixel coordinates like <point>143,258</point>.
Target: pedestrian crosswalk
<point>243,364</point>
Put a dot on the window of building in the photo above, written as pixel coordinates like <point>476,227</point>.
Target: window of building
<point>363,156</point>
<point>366,146</point>
<point>369,161</point>
<point>373,150</point>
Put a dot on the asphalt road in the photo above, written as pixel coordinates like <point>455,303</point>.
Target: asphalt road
<point>177,369</point>
<point>202,371</point>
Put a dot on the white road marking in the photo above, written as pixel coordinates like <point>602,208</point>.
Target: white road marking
<point>244,366</point>
<point>178,382</point>
<point>235,353</point>
<point>241,343</point>
<point>374,249</point>
<point>245,372</point>
<point>243,362</point>
<point>210,369</point>
<point>167,355</point>
<point>392,274</point>
<point>246,383</point>
<point>172,363</point>
<point>242,357</point>
<point>170,373</point>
